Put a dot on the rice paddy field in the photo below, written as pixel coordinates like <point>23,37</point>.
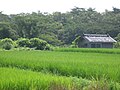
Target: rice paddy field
<point>62,69</point>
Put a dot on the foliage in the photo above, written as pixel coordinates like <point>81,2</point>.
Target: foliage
<point>76,41</point>
<point>6,31</point>
<point>7,46</point>
<point>23,42</point>
<point>26,44</point>
<point>0,44</point>
<point>7,40</point>
<point>48,47</point>
<point>39,44</point>
<point>60,28</point>
<point>117,45</point>
<point>7,43</point>
<point>118,37</point>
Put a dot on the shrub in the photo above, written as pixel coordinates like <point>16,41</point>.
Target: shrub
<point>23,42</point>
<point>76,42</point>
<point>73,46</point>
<point>0,44</point>
<point>7,46</point>
<point>42,45</point>
<point>48,47</point>
<point>117,45</point>
<point>7,43</point>
<point>34,42</point>
<point>7,40</point>
<point>38,44</point>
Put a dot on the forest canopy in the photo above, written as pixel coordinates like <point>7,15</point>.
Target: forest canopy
<point>60,28</point>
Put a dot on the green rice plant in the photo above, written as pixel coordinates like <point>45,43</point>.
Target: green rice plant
<point>78,64</point>
<point>20,79</point>
<point>89,50</point>
<point>16,79</point>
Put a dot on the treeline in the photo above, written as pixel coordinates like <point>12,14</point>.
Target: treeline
<point>59,28</point>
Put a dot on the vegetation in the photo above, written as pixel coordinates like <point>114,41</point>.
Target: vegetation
<point>117,45</point>
<point>89,50</point>
<point>60,28</point>
<point>7,43</point>
<point>27,80</point>
<point>24,67</point>
<point>70,63</point>
<point>34,43</point>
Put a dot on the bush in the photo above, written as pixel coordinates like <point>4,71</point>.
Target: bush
<point>0,44</point>
<point>7,40</point>
<point>7,43</point>
<point>33,43</point>
<point>38,44</point>
<point>117,45</point>
<point>23,42</point>
<point>48,47</point>
<point>7,46</point>
<point>73,46</point>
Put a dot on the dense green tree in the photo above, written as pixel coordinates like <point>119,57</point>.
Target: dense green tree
<point>60,28</point>
<point>6,31</point>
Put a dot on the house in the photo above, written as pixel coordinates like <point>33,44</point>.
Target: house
<point>96,41</point>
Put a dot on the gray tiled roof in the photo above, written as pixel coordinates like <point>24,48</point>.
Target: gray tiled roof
<point>99,38</point>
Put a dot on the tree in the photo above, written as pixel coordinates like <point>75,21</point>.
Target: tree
<point>6,31</point>
<point>118,37</point>
<point>60,28</point>
<point>116,10</point>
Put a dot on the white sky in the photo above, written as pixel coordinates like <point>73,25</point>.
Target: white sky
<point>28,6</point>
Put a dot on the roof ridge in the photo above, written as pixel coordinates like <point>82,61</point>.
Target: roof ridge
<point>97,35</point>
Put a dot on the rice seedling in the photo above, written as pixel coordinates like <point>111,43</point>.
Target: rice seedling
<point>16,79</point>
<point>85,65</point>
<point>20,79</point>
<point>89,50</point>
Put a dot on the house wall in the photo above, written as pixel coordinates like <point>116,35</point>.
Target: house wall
<point>100,45</point>
<point>87,44</point>
<point>95,45</point>
<point>107,45</point>
<point>83,43</point>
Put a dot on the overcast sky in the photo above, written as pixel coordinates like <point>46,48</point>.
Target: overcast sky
<point>28,6</point>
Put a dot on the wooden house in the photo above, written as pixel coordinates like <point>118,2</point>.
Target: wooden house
<point>96,41</point>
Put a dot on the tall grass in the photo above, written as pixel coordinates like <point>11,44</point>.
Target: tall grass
<point>85,65</point>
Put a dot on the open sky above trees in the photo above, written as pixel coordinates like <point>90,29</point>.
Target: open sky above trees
<point>50,6</point>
